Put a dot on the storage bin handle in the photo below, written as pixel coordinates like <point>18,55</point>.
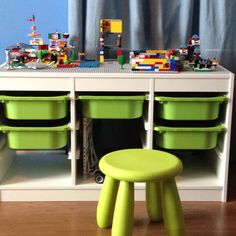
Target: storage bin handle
<point>6,128</point>
<point>112,98</point>
<point>5,98</point>
<point>162,99</point>
<point>218,128</point>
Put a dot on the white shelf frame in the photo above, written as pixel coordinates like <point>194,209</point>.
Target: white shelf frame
<point>211,187</point>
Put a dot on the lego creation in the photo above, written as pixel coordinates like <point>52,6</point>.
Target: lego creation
<point>37,54</point>
<point>58,53</point>
<point>155,61</point>
<point>194,58</point>
<point>108,29</point>
<point>35,40</point>
<point>172,60</point>
<point>19,54</point>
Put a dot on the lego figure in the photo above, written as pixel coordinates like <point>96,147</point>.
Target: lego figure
<point>183,50</point>
<point>194,40</point>
<point>193,48</point>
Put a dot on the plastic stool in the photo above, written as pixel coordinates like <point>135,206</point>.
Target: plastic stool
<point>158,170</point>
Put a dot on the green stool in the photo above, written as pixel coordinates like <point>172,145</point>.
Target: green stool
<point>158,170</point>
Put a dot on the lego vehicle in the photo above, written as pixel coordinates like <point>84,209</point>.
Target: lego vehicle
<point>201,64</point>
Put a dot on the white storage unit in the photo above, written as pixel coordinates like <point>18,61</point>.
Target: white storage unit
<point>54,176</point>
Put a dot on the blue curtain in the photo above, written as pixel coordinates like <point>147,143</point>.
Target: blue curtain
<point>159,24</point>
<point>146,23</point>
<point>217,26</point>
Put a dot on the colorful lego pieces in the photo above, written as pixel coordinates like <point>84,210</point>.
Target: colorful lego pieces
<point>155,61</point>
<point>58,53</point>
<point>19,54</point>
<point>194,58</point>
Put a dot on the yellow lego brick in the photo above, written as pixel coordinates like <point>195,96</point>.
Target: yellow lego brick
<point>116,26</point>
<point>101,59</point>
<point>111,25</point>
<point>153,61</point>
<point>160,51</point>
<point>103,26</point>
<point>148,61</point>
<point>65,58</point>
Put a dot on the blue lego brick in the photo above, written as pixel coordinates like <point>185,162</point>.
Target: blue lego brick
<point>89,63</point>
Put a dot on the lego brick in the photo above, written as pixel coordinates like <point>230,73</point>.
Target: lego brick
<point>111,25</point>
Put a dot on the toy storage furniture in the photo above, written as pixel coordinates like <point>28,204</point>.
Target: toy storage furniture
<point>125,167</point>
<point>53,174</point>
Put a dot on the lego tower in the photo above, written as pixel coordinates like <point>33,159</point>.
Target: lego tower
<point>110,27</point>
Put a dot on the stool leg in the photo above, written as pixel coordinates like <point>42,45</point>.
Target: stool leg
<point>106,204</point>
<point>124,210</point>
<point>153,200</point>
<point>172,209</point>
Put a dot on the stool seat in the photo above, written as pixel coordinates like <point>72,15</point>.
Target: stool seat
<point>140,165</point>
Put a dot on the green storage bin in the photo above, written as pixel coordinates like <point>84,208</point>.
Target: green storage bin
<point>189,108</point>
<point>187,138</point>
<point>112,107</point>
<point>35,107</point>
<point>36,137</point>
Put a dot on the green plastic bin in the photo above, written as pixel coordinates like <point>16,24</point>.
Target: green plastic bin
<point>35,107</point>
<point>112,107</point>
<point>36,137</point>
<point>187,138</point>
<point>189,108</point>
